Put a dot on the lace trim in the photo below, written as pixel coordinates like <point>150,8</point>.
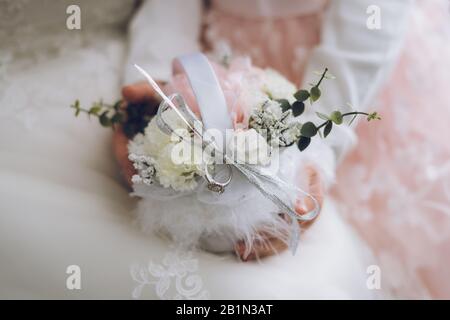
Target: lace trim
<point>176,278</point>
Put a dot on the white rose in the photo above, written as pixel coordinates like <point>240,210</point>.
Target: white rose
<point>274,108</point>
<point>156,140</point>
<point>278,87</point>
<point>180,177</point>
<point>160,146</point>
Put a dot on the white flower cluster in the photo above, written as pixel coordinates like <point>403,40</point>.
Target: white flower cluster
<point>278,87</point>
<point>278,127</point>
<point>152,153</point>
<point>144,167</point>
<point>267,118</point>
<point>158,146</point>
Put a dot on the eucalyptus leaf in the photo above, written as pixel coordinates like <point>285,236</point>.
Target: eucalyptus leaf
<point>298,108</point>
<point>104,120</point>
<point>95,109</point>
<point>284,104</point>
<point>116,105</point>
<point>337,117</point>
<point>308,130</point>
<point>117,118</point>
<point>303,143</point>
<point>315,93</point>
<point>373,116</point>
<point>328,128</point>
<point>302,95</point>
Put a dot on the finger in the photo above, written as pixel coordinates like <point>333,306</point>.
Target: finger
<point>260,248</point>
<point>265,244</point>
<point>316,189</point>
<point>315,184</point>
<point>120,146</point>
<point>140,92</point>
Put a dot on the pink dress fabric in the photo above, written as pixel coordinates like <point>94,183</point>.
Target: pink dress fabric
<point>394,187</point>
<point>287,49</point>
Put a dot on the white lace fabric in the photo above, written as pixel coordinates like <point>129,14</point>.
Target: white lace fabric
<point>34,39</point>
<point>176,278</point>
<point>30,28</point>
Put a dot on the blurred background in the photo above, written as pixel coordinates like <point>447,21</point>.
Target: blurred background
<point>58,177</point>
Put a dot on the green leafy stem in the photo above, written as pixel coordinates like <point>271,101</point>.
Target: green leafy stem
<point>133,119</point>
<point>309,129</point>
<point>108,114</point>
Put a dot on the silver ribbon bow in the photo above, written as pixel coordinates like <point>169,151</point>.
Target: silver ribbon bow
<point>271,186</point>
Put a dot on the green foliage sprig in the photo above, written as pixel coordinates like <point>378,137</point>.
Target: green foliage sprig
<point>133,119</point>
<point>309,129</point>
<point>108,114</point>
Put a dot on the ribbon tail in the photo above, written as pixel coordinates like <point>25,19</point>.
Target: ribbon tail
<point>279,184</point>
<point>263,182</point>
<point>294,238</point>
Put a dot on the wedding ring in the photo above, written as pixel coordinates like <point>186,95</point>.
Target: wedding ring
<point>217,186</point>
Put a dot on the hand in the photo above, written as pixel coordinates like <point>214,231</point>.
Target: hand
<point>265,244</point>
<point>140,92</point>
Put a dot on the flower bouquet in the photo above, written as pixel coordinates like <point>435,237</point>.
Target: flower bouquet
<point>221,162</point>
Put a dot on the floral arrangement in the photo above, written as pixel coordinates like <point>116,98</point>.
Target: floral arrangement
<point>182,195</point>
<point>267,111</point>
